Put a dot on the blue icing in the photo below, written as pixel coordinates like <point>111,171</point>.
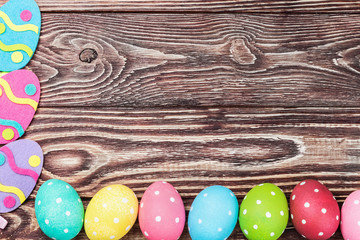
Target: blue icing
<point>13,9</point>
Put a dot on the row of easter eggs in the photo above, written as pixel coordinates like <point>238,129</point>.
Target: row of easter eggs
<point>263,213</point>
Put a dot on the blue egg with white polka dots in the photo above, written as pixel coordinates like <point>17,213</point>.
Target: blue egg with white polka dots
<point>59,210</point>
<point>213,214</point>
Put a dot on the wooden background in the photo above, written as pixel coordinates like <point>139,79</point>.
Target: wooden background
<point>197,93</point>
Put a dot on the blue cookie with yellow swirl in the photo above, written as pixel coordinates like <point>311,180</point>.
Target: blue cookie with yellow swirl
<point>20,23</point>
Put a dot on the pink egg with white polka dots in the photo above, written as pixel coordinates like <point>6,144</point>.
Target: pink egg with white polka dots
<point>314,210</point>
<point>350,217</point>
<point>161,212</point>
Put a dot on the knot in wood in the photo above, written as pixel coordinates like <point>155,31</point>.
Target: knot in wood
<point>241,53</point>
<point>88,55</point>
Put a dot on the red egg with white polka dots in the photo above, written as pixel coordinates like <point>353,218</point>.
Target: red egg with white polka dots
<point>314,210</point>
<point>161,212</point>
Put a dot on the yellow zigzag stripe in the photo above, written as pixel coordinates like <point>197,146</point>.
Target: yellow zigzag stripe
<point>16,47</point>
<point>18,28</point>
<point>13,190</point>
<point>11,96</point>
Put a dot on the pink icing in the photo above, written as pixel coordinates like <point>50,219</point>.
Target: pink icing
<point>9,202</point>
<point>26,15</point>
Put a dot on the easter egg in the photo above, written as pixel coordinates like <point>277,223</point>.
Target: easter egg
<point>20,23</point>
<point>264,212</point>
<point>162,212</point>
<point>59,210</point>
<point>213,214</point>
<point>20,167</point>
<point>314,210</point>
<point>19,98</point>
<point>111,213</point>
<point>350,217</point>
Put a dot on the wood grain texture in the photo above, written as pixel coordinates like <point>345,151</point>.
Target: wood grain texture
<point>192,149</point>
<point>166,60</point>
<point>283,6</point>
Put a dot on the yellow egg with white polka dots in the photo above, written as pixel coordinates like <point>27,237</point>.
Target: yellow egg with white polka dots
<point>111,213</point>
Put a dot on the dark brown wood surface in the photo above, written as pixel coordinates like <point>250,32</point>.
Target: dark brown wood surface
<point>196,93</point>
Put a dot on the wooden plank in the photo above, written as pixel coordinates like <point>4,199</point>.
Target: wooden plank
<point>298,6</point>
<point>194,148</point>
<point>23,225</point>
<point>169,60</point>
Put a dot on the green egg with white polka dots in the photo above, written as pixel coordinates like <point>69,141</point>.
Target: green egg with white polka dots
<point>59,210</point>
<point>264,213</point>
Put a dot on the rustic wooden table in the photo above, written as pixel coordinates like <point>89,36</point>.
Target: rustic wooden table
<point>197,93</point>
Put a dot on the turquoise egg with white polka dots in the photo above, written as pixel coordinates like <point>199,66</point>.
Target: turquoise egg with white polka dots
<point>59,210</point>
<point>213,214</point>
<point>264,213</point>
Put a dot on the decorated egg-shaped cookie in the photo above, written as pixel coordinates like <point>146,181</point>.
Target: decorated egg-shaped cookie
<point>20,23</point>
<point>19,98</point>
<point>264,213</point>
<point>20,167</point>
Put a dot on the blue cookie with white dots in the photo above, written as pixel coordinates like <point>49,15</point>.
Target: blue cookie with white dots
<point>213,214</point>
<point>59,210</point>
<point>20,23</point>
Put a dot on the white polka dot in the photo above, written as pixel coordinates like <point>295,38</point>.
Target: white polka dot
<point>258,201</point>
<point>66,230</point>
<point>177,220</point>
<point>272,193</point>
<point>293,197</point>
<point>323,210</point>
<point>67,213</point>
<point>67,187</point>
<point>172,199</point>
<point>58,200</point>
<point>164,182</point>
<point>39,202</point>
<point>268,215</point>
<point>231,194</point>
<point>85,220</point>
<point>303,221</point>
<point>230,213</point>
<point>79,200</point>
<point>316,190</point>
<point>356,202</point>
<point>94,233</point>
<point>245,197</point>
<point>292,216</point>
<point>158,219</point>
<point>142,205</point>
<point>337,217</point>
<point>246,232</point>
<point>116,220</point>
<point>282,213</point>
<point>303,236</point>
<point>245,211</point>
<point>272,234</point>
<point>307,205</point>
<point>109,188</point>
<point>199,221</point>
<point>125,200</point>
<point>157,192</point>
<point>50,183</point>
<point>261,184</point>
<point>46,221</point>
<point>132,211</point>
<point>255,226</point>
<point>205,194</point>
<point>219,229</point>
<point>112,237</point>
<point>191,209</point>
<point>358,223</point>
<point>302,183</point>
<point>104,205</point>
<point>146,234</point>
<point>128,228</point>
<point>96,219</point>
<point>321,233</point>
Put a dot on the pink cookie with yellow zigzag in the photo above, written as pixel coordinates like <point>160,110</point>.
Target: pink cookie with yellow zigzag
<point>19,99</point>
